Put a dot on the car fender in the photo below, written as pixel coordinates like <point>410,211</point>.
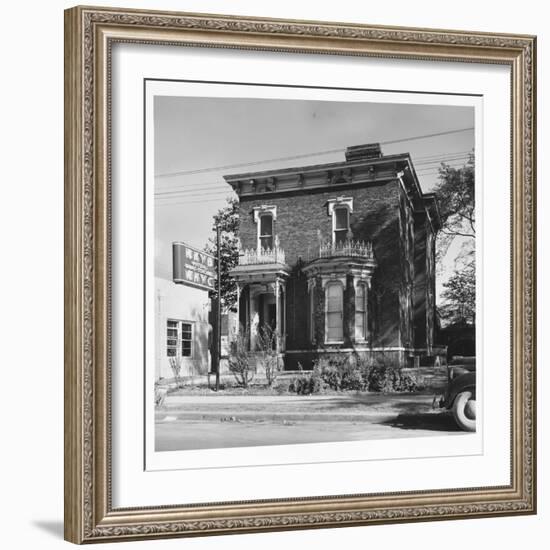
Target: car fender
<point>462,383</point>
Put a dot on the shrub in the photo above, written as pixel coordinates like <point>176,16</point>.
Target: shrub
<point>267,356</point>
<point>307,385</point>
<point>240,359</point>
<point>341,373</point>
<point>175,365</point>
<point>356,373</point>
<point>390,379</point>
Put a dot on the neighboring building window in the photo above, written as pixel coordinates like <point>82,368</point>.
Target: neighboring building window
<point>179,337</point>
<point>334,312</point>
<point>266,231</point>
<point>341,225</point>
<point>186,339</point>
<point>360,312</point>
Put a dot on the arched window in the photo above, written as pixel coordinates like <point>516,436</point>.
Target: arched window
<point>335,312</point>
<point>266,231</point>
<point>360,312</point>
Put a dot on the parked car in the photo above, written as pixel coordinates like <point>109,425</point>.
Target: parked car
<point>460,396</point>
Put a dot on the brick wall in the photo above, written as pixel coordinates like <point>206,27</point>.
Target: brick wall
<point>300,216</point>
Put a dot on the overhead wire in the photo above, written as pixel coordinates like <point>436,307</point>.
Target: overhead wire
<point>303,155</point>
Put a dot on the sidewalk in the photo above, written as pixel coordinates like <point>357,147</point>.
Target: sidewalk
<point>293,408</point>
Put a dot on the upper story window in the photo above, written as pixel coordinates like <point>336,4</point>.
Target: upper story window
<point>340,225</point>
<point>340,210</point>
<point>265,217</point>
<point>266,231</point>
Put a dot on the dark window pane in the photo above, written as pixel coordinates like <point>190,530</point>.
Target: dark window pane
<point>171,342</point>
<point>171,352</point>
<point>172,333</point>
<point>266,243</point>
<point>341,218</point>
<point>186,349</point>
<point>172,324</point>
<point>266,225</point>
<point>340,236</point>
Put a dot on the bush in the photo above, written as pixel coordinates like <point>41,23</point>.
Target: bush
<point>240,360</point>
<point>175,365</point>
<point>352,373</point>
<point>267,356</point>
<point>341,373</point>
<point>390,379</point>
<point>307,385</point>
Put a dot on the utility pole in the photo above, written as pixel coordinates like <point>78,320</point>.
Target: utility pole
<point>218,310</point>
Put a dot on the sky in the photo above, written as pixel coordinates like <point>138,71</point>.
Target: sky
<point>198,140</point>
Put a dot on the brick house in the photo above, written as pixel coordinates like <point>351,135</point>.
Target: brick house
<point>339,258</point>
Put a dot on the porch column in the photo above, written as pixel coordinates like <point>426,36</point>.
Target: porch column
<point>277,321</point>
<point>237,327</point>
<point>283,318</point>
<point>254,319</point>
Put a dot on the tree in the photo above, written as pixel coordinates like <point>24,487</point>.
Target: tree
<point>460,297</point>
<point>455,194</point>
<point>228,220</point>
<point>456,199</point>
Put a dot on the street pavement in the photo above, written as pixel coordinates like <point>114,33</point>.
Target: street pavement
<point>188,422</point>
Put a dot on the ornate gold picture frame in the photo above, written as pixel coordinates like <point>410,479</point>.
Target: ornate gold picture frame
<point>90,35</point>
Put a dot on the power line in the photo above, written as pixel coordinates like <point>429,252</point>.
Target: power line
<point>197,194</point>
<point>417,161</point>
<point>304,155</point>
<point>181,189</point>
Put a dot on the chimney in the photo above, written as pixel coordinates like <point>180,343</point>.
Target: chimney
<point>362,152</point>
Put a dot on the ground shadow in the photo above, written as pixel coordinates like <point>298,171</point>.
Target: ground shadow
<point>53,527</point>
<point>424,421</point>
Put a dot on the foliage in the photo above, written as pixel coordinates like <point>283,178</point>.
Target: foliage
<point>160,394</point>
<point>228,220</point>
<point>455,194</point>
<point>351,373</point>
<point>306,385</point>
<point>240,359</point>
<point>460,297</point>
<point>267,347</point>
<point>389,379</point>
<point>175,365</point>
<point>456,199</point>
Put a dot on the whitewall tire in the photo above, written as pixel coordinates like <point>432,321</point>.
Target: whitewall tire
<point>464,411</point>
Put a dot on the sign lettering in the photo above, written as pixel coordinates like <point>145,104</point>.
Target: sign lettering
<point>193,267</point>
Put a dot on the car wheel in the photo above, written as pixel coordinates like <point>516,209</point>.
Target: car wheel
<point>464,411</point>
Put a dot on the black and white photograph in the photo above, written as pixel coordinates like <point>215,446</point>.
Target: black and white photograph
<point>314,270</point>
<point>300,274</point>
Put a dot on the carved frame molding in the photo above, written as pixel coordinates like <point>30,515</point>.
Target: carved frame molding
<point>89,34</point>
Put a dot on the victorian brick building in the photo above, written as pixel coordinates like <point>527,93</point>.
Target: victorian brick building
<point>339,258</point>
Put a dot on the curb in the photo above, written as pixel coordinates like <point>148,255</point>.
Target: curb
<point>172,416</point>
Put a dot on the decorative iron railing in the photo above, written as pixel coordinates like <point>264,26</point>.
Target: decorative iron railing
<point>263,256</point>
<point>348,248</point>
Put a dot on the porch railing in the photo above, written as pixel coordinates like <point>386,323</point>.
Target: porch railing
<point>348,248</point>
<point>263,256</point>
